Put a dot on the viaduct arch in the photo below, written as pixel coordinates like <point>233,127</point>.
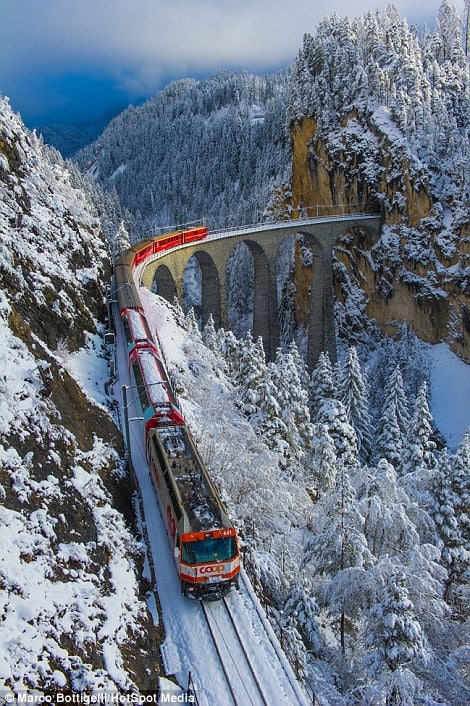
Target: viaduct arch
<point>167,270</point>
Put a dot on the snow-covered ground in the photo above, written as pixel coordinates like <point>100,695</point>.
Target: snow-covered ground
<point>69,598</point>
<point>90,366</point>
<point>450,393</point>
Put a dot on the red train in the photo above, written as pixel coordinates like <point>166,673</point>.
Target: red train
<point>167,241</point>
<point>201,535</point>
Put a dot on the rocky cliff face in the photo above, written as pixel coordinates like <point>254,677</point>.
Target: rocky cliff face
<point>70,609</point>
<point>418,270</point>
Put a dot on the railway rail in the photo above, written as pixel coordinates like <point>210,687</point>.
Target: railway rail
<point>244,674</point>
<point>233,656</point>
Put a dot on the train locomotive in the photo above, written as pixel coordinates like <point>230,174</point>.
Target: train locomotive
<point>201,535</point>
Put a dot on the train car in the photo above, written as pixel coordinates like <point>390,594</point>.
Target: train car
<point>125,289</point>
<point>168,241</point>
<point>136,330</point>
<point>135,326</point>
<point>156,401</point>
<point>143,250</point>
<point>202,538</point>
<point>194,234</point>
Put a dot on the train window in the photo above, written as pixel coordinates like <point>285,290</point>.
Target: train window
<point>202,551</point>
<point>127,331</point>
<point>139,381</point>
<point>160,456</point>
<point>168,480</point>
<point>172,494</point>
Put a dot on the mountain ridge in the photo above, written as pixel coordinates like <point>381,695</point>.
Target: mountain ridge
<point>69,558</point>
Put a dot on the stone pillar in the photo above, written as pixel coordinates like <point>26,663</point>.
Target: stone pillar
<point>265,307</point>
<point>316,318</point>
<point>321,327</point>
<point>210,289</point>
<point>329,333</point>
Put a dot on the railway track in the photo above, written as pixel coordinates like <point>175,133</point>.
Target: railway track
<point>247,678</point>
<point>241,677</point>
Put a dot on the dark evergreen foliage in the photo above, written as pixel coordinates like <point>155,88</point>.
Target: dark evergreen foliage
<point>212,149</point>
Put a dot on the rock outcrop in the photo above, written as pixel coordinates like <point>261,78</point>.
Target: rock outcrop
<point>418,271</point>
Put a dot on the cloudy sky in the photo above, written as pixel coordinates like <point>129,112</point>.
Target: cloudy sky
<point>77,61</point>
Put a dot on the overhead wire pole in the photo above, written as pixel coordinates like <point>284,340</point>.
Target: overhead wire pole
<point>127,435</point>
<point>126,420</point>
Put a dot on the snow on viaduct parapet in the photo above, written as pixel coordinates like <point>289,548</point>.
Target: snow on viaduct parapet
<point>213,253</point>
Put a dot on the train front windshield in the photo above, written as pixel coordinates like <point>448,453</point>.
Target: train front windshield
<point>206,550</point>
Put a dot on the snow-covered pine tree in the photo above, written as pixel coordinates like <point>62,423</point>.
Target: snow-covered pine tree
<point>460,464</point>
<point>287,321</point>
<point>266,571</point>
<point>323,462</point>
<point>338,549</point>
<point>393,635</point>
<point>455,551</point>
<point>337,540</point>
<point>460,484</point>
<point>298,396</point>
<point>418,451</point>
<point>259,347</point>
<point>389,442</point>
<point>293,646</point>
<point>321,385</point>
<point>190,323</point>
<point>229,348</point>
<point>267,420</point>
<point>121,240</point>
<point>394,420</point>
<point>209,335</point>
<point>220,340</point>
<point>412,360</point>
<point>251,370</point>
<point>396,391</point>
<point>299,364</point>
<point>352,392</point>
<point>178,311</point>
<point>449,30</point>
<point>333,415</point>
<point>246,355</point>
<point>293,401</point>
<point>301,605</point>
<point>240,278</point>
<point>385,507</point>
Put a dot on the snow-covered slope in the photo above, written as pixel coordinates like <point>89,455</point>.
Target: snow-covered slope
<point>69,597</point>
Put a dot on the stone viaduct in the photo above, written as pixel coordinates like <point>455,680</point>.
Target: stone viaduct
<point>321,234</point>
